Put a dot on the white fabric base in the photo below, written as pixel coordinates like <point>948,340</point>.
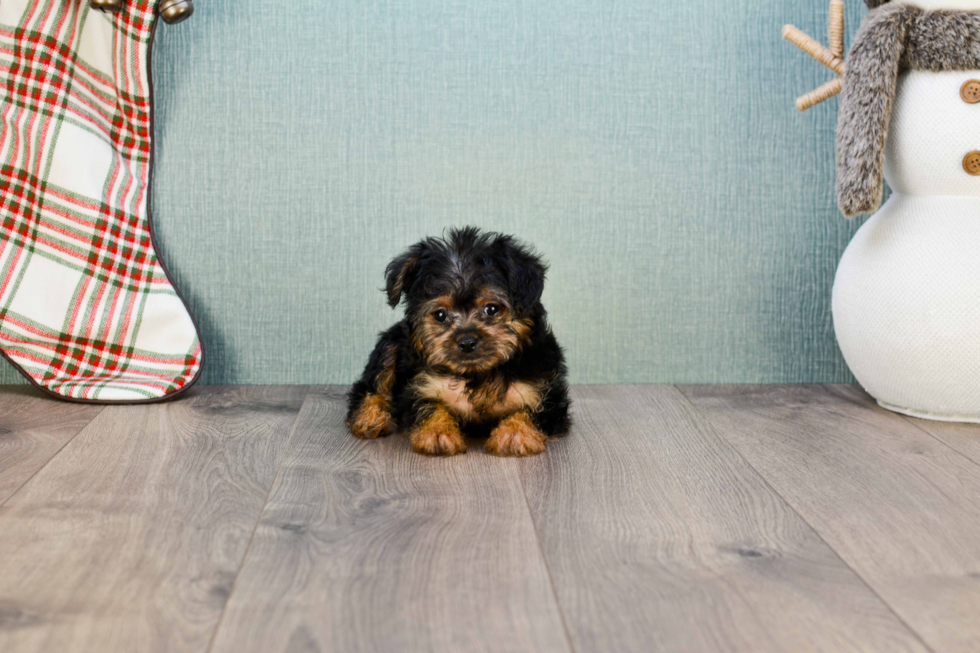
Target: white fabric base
<point>930,416</point>
<point>906,305</point>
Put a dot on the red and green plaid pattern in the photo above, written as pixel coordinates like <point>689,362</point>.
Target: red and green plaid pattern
<point>86,310</point>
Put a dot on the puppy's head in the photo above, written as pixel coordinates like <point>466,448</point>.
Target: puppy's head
<point>471,298</point>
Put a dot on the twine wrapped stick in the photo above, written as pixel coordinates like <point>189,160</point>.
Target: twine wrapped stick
<point>832,57</point>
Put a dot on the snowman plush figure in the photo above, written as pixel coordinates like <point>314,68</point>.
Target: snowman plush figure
<point>906,299</point>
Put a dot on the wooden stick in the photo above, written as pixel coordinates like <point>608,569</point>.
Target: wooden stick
<point>815,97</point>
<point>814,49</point>
<point>836,29</point>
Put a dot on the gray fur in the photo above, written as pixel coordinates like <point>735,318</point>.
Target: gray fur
<point>891,39</point>
<point>943,40</point>
<point>866,107</point>
<point>874,3</point>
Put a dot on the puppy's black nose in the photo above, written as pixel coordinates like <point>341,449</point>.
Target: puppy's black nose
<point>467,344</point>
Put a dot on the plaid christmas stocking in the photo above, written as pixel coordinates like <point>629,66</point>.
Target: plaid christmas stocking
<point>87,310</point>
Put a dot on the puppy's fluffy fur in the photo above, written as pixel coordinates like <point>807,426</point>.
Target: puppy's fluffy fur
<point>474,353</point>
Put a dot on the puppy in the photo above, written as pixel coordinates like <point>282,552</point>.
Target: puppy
<point>474,353</point>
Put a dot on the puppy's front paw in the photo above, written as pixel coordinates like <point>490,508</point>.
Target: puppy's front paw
<point>439,435</point>
<point>372,419</point>
<point>516,436</point>
<point>434,442</point>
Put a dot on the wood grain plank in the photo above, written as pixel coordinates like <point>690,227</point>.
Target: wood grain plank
<point>33,428</point>
<point>129,540</point>
<point>901,508</point>
<point>366,546</point>
<point>659,537</point>
<point>964,438</point>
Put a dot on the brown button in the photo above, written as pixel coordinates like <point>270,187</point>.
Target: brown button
<point>971,163</point>
<point>970,91</point>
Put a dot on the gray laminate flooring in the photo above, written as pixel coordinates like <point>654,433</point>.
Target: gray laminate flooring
<point>694,518</point>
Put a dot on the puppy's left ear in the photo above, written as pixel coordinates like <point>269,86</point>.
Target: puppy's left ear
<point>525,274</point>
<point>401,273</point>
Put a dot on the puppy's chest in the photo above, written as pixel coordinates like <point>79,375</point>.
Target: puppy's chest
<point>492,400</point>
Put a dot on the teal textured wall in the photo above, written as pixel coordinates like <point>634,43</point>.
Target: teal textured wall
<point>649,149</point>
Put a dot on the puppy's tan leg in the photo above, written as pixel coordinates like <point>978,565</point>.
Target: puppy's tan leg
<point>372,419</point>
<point>516,436</point>
<point>438,435</point>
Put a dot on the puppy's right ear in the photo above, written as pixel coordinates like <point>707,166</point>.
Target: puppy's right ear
<point>401,273</point>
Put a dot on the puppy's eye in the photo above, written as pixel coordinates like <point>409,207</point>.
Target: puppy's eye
<point>491,309</point>
<point>440,316</point>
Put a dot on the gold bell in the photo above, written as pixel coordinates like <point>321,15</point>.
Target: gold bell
<point>106,5</point>
<point>174,11</point>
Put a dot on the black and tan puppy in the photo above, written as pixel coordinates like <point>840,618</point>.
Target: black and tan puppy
<point>473,354</point>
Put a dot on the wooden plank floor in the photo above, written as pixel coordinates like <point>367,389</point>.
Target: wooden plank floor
<point>702,518</point>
